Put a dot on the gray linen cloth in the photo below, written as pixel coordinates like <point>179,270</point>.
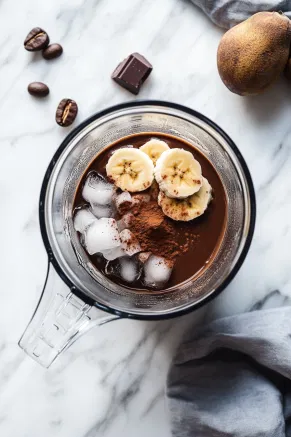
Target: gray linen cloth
<point>232,378</point>
<point>226,13</point>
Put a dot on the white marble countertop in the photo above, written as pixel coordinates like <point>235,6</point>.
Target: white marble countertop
<point>111,382</point>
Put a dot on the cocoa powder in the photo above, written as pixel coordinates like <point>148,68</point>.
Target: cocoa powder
<point>155,232</point>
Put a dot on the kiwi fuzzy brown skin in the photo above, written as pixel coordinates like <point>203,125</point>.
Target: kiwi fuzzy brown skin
<point>254,53</point>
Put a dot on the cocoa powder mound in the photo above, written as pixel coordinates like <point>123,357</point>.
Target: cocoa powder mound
<point>155,232</point>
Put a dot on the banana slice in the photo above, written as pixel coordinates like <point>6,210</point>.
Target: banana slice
<point>187,209</point>
<point>130,169</point>
<point>178,173</point>
<point>154,148</point>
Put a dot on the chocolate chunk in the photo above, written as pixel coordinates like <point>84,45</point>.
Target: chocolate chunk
<point>132,72</point>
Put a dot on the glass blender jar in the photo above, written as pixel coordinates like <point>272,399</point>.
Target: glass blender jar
<point>65,313</point>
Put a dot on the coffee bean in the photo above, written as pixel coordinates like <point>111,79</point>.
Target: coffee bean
<point>66,112</point>
<point>37,39</point>
<point>52,51</point>
<point>38,89</point>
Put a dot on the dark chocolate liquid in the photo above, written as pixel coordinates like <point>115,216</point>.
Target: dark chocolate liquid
<point>205,232</point>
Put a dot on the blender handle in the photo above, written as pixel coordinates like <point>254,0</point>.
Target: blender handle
<point>59,320</point>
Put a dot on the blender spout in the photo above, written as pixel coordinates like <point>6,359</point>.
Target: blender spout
<point>59,320</point>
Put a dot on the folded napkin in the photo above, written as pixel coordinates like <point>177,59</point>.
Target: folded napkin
<point>233,378</point>
<point>226,13</point>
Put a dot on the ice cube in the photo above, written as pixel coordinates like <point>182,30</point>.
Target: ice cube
<point>112,254</point>
<point>129,242</point>
<point>125,221</point>
<point>157,271</point>
<point>141,198</point>
<point>129,269</point>
<point>101,235</point>
<point>112,267</point>
<point>126,268</point>
<point>96,190</point>
<point>83,219</point>
<point>123,202</point>
<point>101,211</point>
<point>143,256</point>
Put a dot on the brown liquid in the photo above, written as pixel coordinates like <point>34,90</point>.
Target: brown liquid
<point>205,232</point>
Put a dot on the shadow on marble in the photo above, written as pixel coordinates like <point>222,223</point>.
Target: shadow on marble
<point>269,105</point>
